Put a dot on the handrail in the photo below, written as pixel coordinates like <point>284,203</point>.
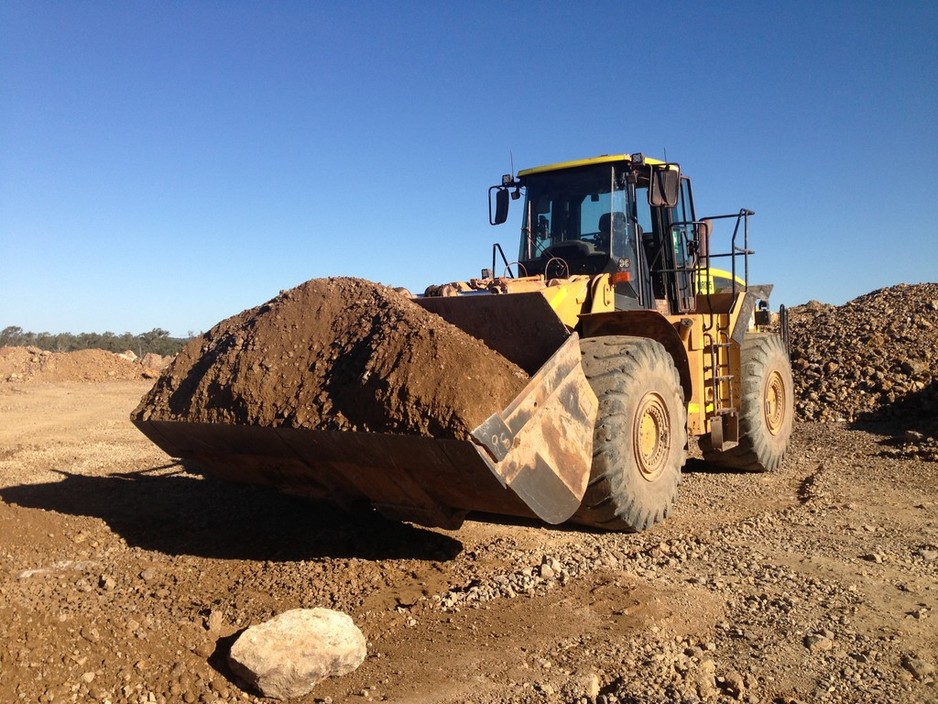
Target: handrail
<point>498,248</point>
<point>703,261</point>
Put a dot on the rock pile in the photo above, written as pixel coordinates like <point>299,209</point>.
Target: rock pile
<point>31,364</point>
<point>337,354</point>
<point>873,358</point>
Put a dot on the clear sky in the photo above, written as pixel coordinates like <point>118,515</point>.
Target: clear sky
<point>168,164</point>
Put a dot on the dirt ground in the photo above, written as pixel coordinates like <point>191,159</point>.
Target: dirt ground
<point>125,579</point>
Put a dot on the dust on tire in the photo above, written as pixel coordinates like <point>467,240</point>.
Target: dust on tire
<point>640,436</point>
<point>766,408</point>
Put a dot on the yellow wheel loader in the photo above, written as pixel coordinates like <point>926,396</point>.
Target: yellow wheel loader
<point>633,342</point>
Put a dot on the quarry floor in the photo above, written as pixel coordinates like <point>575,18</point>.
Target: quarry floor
<point>125,578</point>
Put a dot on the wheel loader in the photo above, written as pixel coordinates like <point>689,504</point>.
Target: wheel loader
<point>634,342</point>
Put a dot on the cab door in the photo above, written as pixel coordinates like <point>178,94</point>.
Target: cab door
<point>667,233</point>
<point>681,226</point>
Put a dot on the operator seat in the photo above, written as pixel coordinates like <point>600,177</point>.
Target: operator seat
<point>613,228</point>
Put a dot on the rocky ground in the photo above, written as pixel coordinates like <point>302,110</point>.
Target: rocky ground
<point>125,578</point>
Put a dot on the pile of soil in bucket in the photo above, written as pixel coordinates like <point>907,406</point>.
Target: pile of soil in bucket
<point>337,354</point>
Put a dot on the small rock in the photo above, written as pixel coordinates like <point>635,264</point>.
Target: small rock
<point>732,683</point>
<point>919,668</point>
<point>818,643</point>
<point>205,649</point>
<point>215,621</point>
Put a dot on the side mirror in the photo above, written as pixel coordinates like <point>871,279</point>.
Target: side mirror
<point>500,213</point>
<point>665,186</point>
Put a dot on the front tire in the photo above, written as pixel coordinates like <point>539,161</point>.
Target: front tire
<point>640,435</point>
<point>766,408</point>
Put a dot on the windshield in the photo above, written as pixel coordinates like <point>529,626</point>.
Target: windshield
<point>578,215</point>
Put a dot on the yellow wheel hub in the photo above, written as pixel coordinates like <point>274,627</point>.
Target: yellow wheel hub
<point>774,403</point>
<point>652,436</point>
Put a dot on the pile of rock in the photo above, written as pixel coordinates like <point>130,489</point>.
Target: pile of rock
<point>873,358</point>
<point>31,364</point>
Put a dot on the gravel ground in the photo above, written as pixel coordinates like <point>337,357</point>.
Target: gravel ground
<point>125,579</point>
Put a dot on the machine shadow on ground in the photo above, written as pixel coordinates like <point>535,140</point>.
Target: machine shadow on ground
<point>695,465</point>
<point>917,411</point>
<point>172,511</point>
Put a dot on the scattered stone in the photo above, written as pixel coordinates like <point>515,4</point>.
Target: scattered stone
<point>919,668</point>
<point>732,684</point>
<point>289,655</point>
<point>817,642</point>
<point>215,621</point>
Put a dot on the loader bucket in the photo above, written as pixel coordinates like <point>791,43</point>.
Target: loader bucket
<point>520,326</point>
<point>531,459</point>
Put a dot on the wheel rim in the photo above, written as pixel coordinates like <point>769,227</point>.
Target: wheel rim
<point>774,403</point>
<point>652,436</point>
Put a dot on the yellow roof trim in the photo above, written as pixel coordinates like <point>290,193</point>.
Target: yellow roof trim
<point>604,159</point>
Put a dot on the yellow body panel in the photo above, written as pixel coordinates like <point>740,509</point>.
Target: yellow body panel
<point>712,280</point>
<point>713,323</point>
<point>701,333</point>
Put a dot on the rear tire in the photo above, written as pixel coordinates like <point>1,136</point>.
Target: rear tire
<point>640,435</point>
<point>766,408</point>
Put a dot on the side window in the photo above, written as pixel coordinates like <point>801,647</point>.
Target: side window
<point>539,223</point>
<point>591,211</point>
<point>542,220</point>
<point>644,210</point>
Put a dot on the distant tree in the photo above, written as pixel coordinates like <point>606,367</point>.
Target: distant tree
<point>11,336</point>
<point>156,340</point>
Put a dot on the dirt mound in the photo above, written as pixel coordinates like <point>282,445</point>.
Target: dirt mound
<point>873,358</point>
<point>337,354</point>
<point>31,364</point>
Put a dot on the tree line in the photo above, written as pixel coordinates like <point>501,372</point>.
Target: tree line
<point>156,340</point>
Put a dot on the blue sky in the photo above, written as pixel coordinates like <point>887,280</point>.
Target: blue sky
<point>170,164</point>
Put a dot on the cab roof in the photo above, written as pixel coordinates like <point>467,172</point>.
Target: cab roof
<point>605,158</point>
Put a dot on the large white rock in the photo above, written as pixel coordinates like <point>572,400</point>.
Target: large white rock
<point>290,654</point>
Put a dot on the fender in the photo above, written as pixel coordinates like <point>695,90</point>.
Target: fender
<point>642,323</point>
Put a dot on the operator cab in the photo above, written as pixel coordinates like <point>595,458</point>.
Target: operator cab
<point>610,215</point>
